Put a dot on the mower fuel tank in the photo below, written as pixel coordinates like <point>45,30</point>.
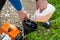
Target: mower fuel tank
<point>12,31</point>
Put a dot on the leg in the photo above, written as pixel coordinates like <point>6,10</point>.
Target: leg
<point>2,2</point>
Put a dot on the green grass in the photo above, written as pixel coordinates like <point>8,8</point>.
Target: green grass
<point>48,34</point>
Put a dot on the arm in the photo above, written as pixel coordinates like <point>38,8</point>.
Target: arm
<point>18,6</point>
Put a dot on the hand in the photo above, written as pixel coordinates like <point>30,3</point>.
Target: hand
<point>22,15</point>
<point>42,4</point>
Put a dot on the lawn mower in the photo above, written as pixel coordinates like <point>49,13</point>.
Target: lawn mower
<point>11,32</point>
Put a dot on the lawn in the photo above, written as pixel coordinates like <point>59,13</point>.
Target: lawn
<point>53,33</point>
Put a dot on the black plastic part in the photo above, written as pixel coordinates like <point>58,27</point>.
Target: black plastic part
<point>2,2</point>
<point>29,26</point>
<point>19,37</point>
<point>46,24</point>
